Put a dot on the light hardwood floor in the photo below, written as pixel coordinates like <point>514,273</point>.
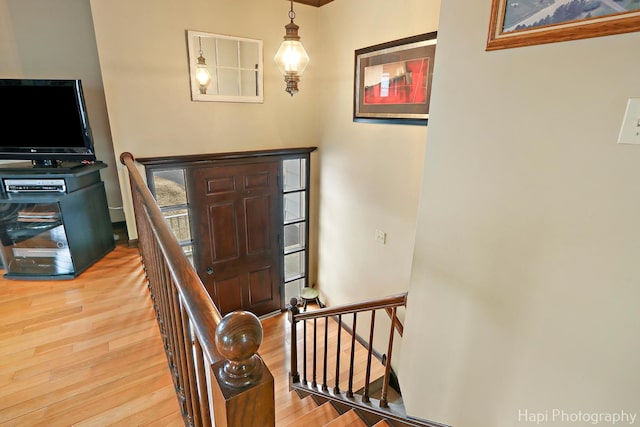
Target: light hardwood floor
<point>87,352</point>
<point>84,352</point>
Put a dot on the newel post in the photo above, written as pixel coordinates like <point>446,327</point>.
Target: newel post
<point>242,387</point>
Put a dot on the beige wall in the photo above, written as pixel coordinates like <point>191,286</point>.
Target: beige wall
<point>525,277</point>
<point>143,57</point>
<point>370,173</point>
<point>45,39</point>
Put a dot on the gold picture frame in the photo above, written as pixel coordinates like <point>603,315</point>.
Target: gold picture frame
<point>518,23</point>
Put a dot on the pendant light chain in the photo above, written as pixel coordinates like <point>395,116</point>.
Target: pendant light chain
<point>292,14</point>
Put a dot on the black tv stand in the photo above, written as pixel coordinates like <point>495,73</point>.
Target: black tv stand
<point>35,166</point>
<point>54,222</point>
<point>45,163</point>
<point>59,165</point>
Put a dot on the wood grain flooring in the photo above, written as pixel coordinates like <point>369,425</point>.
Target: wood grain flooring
<point>84,352</point>
<point>87,352</point>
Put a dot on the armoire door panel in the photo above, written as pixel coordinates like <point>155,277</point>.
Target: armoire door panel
<point>221,185</point>
<point>228,294</point>
<point>257,220</point>
<point>223,230</point>
<point>257,181</point>
<point>258,292</point>
<point>237,253</point>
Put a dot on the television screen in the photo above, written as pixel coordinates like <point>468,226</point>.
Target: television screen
<point>44,121</point>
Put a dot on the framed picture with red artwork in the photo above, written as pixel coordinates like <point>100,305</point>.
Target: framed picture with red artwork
<point>393,81</point>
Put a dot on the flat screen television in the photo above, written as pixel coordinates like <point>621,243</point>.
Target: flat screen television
<point>44,121</point>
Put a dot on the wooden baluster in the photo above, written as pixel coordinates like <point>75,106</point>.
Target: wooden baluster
<point>336,389</point>
<point>367,377</point>
<point>326,352</point>
<point>314,384</point>
<point>387,365</point>
<point>190,357</point>
<point>293,310</point>
<point>304,353</point>
<point>164,309</point>
<point>351,361</point>
<point>180,351</point>
<point>396,321</point>
<point>201,392</point>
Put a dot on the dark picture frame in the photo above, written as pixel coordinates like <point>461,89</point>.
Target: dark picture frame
<point>531,22</point>
<point>392,81</point>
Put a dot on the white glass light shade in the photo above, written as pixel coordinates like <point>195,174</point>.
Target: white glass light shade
<point>203,76</point>
<point>291,57</point>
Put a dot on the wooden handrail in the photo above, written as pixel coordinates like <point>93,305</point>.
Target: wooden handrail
<point>201,310</point>
<point>212,359</point>
<point>389,304</point>
<point>398,300</point>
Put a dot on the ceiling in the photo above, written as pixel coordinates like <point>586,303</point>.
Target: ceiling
<point>316,3</point>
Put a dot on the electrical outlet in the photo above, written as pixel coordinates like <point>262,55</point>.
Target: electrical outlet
<point>630,131</point>
<point>381,237</point>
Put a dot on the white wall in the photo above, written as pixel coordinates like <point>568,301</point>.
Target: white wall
<point>41,39</point>
<point>525,276</point>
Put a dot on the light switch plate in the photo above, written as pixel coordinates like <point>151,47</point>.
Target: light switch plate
<point>630,130</point>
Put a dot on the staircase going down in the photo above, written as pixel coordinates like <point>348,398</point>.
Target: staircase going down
<point>336,376</point>
<point>326,415</point>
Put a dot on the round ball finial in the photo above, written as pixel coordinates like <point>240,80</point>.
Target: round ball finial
<point>238,337</point>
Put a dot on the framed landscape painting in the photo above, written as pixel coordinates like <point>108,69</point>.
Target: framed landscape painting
<point>516,23</point>
<point>393,81</point>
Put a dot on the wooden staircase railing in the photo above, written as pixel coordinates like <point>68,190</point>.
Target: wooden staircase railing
<point>307,350</point>
<point>216,372</point>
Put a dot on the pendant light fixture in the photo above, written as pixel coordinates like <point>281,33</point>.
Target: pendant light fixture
<point>291,58</point>
<point>203,76</point>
